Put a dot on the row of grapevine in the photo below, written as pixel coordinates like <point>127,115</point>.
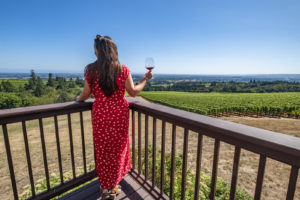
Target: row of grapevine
<point>253,104</point>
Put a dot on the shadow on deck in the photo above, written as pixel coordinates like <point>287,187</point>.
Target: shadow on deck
<point>130,190</point>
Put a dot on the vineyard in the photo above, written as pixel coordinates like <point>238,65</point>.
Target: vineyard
<point>216,104</point>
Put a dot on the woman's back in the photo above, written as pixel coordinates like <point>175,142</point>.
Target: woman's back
<point>96,90</point>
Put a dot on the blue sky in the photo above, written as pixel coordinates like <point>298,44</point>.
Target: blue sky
<point>189,37</point>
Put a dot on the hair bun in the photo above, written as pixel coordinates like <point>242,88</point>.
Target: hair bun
<point>98,36</point>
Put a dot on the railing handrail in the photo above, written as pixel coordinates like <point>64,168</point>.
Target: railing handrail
<point>15,114</point>
<point>275,145</point>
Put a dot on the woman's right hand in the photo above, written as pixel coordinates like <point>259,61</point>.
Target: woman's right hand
<point>148,75</point>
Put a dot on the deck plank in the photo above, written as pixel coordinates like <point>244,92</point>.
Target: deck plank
<point>139,194</point>
<point>131,190</point>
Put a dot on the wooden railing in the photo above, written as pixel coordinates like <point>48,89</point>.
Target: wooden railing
<point>267,144</point>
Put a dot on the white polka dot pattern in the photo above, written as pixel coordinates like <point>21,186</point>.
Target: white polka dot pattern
<point>110,121</point>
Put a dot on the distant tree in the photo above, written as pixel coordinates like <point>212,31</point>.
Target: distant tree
<point>32,81</point>
<point>213,84</point>
<point>50,82</point>
<point>71,83</point>
<point>39,89</point>
<point>79,82</point>
<point>61,83</point>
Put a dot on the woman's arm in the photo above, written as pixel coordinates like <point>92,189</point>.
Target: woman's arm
<point>86,93</point>
<point>133,90</point>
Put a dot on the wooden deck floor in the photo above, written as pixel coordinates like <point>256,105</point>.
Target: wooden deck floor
<point>130,190</point>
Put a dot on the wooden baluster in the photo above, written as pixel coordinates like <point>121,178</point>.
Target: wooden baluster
<point>235,171</point>
<point>215,169</point>
<point>173,155</point>
<point>184,164</point>
<point>133,138</point>
<point>44,153</point>
<point>139,143</point>
<point>9,160</point>
<point>28,158</point>
<point>154,152</point>
<point>292,183</point>
<point>71,145</point>
<point>146,147</point>
<point>58,149</point>
<point>260,176</point>
<point>198,167</point>
<point>83,142</point>
<point>162,169</point>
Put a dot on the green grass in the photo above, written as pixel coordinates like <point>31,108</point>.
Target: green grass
<point>217,103</point>
<point>16,83</point>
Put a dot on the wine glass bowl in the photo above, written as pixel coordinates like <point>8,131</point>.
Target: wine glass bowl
<point>149,63</point>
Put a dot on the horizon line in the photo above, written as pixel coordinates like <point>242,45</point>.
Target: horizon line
<point>140,73</point>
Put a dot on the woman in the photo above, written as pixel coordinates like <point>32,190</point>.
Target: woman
<point>107,80</point>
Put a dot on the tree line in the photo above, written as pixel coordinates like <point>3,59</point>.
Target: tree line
<point>231,87</point>
<point>37,92</point>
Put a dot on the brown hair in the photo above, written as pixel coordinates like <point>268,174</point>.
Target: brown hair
<point>107,66</point>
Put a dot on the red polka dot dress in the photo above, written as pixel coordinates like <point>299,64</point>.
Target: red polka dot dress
<point>110,122</point>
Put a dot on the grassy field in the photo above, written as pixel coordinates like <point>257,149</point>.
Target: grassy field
<point>266,104</point>
<point>16,83</point>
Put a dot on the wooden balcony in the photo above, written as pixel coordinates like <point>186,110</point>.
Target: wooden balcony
<point>140,182</point>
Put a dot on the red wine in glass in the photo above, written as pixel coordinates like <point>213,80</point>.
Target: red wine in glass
<point>149,68</point>
<point>149,63</point>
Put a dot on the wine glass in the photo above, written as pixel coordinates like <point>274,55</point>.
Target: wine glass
<point>149,63</point>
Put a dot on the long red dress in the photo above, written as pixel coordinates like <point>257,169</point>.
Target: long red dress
<point>110,122</point>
